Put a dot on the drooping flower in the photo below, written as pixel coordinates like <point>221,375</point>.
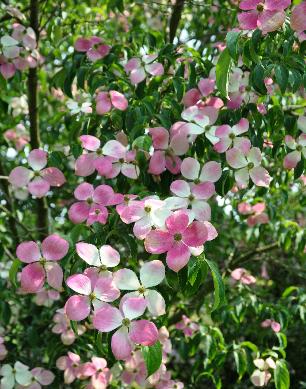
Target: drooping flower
<point>187,326</point>
<point>167,149</point>
<point>151,274</point>
<point>105,101</point>
<point>262,376</point>
<point>267,15</point>
<point>39,180</point>
<point>228,136</point>
<point>91,293</point>
<point>179,240</point>
<point>94,47</point>
<point>138,69</point>
<point>92,203</point>
<point>130,331</point>
<point>247,165</point>
<point>42,263</point>
<point>242,275</point>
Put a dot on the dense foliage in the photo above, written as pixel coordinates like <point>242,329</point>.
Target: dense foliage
<point>152,186</point>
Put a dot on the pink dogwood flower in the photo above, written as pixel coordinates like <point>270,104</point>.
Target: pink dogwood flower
<point>299,149</point>
<point>256,212</point>
<point>100,375</point>
<point>92,203</point>
<point>179,239</point>
<point>242,275</point>
<point>247,165</point>
<point>138,69</point>
<point>267,15</point>
<point>298,22</point>
<point>187,326</point>
<point>200,96</point>
<point>199,121</point>
<point>130,331</point>
<point>146,214</point>
<point>91,293</point>
<point>167,149</point>
<point>18,136</point>
<point>94,48</point>
<point>62,327</point>
<point>71,364</point>
<point>120,160</point>
<point>134,370</point>
<point>228,136</point>
<point>46,297</point>
<point>210,172</point>
<point>85,165</point>
<point>39,180</point>
<point>261,376</point>
<point>192,196</point>
<point>42,263</point>
<point>275,326</point>
<point>105,101</point>
<point>41,377</point>
<point>151,274</point>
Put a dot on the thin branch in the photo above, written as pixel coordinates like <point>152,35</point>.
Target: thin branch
<point>42,209</point>
<point>252,253</point>
<point>175,19</point>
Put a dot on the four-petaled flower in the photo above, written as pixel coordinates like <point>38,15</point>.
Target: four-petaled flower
<point>139,68</point>
<point>131,331</point>
<point>38,180</point>
<point>42,263</point>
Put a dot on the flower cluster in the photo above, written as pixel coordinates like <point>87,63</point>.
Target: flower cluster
<point>18,51</point>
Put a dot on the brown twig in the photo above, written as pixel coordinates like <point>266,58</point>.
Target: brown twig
<point>175,18</point>
<point>42,209</point>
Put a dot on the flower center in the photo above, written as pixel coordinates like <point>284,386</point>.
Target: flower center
<point>126,322</point>
<point>260,7</point>
<point>178,237</point>
<point>36,174</point>
<point>92,296</point>
<point>42,261</point>
<point>102,268</point>
<point>299,148</point>
<point>89,201</point>
<point>121,160</point>
<point>141,290</point>
<point>99,152</point>
<point>126,199</point>
<point>147,209</point>
<point>250,165</point>
<point>231,136</point>
<point>197,181</point>
<point>191,197</point>
<point>97,211</point>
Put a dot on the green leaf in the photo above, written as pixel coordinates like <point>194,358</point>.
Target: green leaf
<point>13,272</point>
<point>232,39</point>
<point>281,375</point>
<point>223,71</point>
<point>258,75</point>
<point>282,76</point>
<point>298,171</point>
<point>153,357</point>
<point>219,291</point>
